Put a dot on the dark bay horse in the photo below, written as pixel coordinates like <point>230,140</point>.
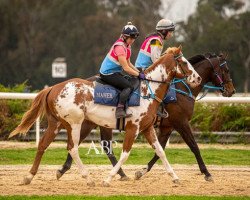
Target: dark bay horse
<point>69,103</point>
<point>211,68</point>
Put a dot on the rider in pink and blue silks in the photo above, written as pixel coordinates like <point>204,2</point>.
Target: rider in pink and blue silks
<point>117,61</point>
<point>152,46</point>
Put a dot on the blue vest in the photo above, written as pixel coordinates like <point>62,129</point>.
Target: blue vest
<point>111,64</point>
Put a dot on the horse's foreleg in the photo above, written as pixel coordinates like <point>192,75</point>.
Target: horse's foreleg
<point>86,128</point>
<point>47,138</point>
<point>153,141</point>
<point>106,138</point>
<point>163,137</point>
<point>186,133</point>
<point>127,145</point>
<point>73,144</point>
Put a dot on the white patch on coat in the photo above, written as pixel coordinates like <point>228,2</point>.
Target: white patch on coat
<point>194,79</point>
<point>101,114</point>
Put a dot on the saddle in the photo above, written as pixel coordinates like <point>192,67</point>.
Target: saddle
<point>170,97</point>
<point>106,94</point>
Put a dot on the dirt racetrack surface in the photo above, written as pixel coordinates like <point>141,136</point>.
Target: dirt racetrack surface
<point>228,180</point>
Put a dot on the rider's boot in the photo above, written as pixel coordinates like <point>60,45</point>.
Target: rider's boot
<point>120,112</point>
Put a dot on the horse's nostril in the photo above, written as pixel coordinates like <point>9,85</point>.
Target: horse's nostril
<point>199,78</point>
<point>234,91</point>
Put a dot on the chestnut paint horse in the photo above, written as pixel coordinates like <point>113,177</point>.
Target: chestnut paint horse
<point>212,69</point>
<point>67,104</point>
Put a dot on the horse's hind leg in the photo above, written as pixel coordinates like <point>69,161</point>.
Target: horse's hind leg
<point>186,133</point>
<point>153,141</point>
<point>86,128</point>
<point>106,138</point>
<point>47,138</point>
<point>163,137</point>
<point>73,143</point>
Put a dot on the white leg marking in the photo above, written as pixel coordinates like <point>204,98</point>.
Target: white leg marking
<point>124,156</point>
<point>75,154</point>
<point>160,152</point>
<point>27,179</point>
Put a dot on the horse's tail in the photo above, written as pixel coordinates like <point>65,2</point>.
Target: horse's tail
<point>37,108</point>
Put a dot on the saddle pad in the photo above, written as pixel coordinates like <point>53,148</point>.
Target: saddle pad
<point>108,95</point>
<point>170,97</point>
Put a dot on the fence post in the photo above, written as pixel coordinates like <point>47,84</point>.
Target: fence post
<point>37,131</point>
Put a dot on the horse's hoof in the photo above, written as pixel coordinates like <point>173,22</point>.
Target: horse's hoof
<point>138,175</point>
<point>105,184</point>
<point>91,183</point>
<point>27,180</point>
<point>176,181</point>
<point>58,174</point>
<point>124,178</point>
<point>209,178</point>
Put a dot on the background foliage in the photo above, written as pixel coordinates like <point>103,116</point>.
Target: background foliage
<point>34,33</point>
<point>206,118</point>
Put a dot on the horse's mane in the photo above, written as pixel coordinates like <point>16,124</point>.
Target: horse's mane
<point>200,57</point>
<point>170,50</point>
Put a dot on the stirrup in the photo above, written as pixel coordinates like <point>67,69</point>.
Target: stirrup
<point>123,116</point>
<point>121,113</point>
<point>163,114</point>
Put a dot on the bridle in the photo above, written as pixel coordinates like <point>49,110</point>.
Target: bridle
<point>151,94</point>
<point>218,77</point>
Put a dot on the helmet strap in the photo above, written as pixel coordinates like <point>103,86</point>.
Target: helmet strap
<point>124,38</point>
<point>163,36</point>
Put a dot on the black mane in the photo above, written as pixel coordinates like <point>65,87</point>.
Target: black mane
<point>195,59</point>
<point>198,58</point>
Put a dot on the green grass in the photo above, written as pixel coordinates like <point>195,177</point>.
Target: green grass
<point>123,197</point>
<point>57,156</point>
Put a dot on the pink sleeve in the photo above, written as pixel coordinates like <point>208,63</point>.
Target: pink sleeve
<point>120,51</point>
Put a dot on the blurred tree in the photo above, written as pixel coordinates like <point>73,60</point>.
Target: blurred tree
<point>34,33</point>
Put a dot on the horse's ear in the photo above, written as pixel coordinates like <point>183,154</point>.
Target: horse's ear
<point>224,55</point>
<point>180,47</point>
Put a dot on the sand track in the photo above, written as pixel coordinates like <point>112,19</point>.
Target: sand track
<point>228,180</point>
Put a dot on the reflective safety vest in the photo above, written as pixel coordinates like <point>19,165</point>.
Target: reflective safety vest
<point>111,64</point>
<point>144,57</point>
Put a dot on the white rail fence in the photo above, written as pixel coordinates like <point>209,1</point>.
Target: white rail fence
<point>207,99</point>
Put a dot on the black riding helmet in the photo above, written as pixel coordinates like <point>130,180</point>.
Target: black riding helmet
<point>130,30</point>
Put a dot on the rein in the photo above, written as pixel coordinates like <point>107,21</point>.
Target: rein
<point>206,87</point>
<point>151,94</point>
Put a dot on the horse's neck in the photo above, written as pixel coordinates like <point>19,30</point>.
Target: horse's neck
<point>204,70</point>
<point>157,73</point>
<point>158,89</point>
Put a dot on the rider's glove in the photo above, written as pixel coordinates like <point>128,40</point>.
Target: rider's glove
<point>142,76</point>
